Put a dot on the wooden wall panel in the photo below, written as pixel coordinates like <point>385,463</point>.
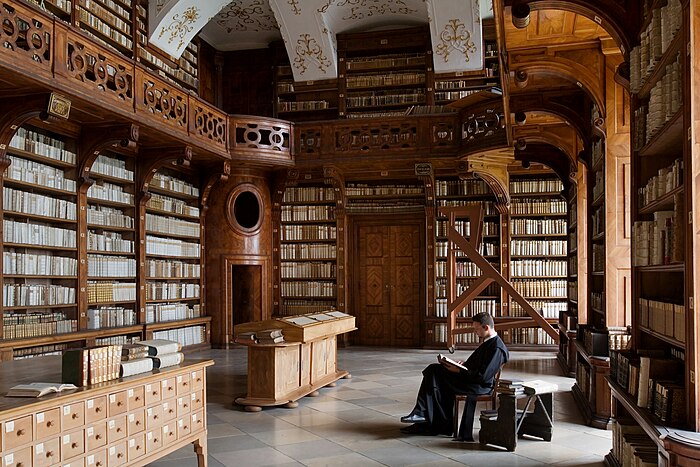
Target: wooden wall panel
<point>228,246</point>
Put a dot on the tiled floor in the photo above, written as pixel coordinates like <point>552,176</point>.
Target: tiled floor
<point>357,422</point>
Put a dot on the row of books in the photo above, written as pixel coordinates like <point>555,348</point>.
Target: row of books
<point>171,290</point>
<point>375,207</point>
<point>461,187</point>
<point>111,266</point>
<point>24,170</point>
<point>597,300</point>
<point>38,351</point>
<point>35,142</point>
<point>659,241</point>
<point>98,24</point>
<point>171,225</point>
<point>536,185</point>
<point>174,205</point>
<point>665,318</point>
<point>263,336</point>
<point>113,242</point>
<point>111,291</point>
<point>40,205</point>
<point>384,79</point>
<point>410,96</point>
<point>632,446</point>
<point>528,336</point>
<point>540,287</point>
<point>307,213</point>
<point>484,248</point>
<point>24,331</point>
<point>308,194</point>
<point>108,217</point>
<point>16,295</point>
<point>363,189</point>
<point>308,232</point>
<point>598,257</point>
<point>515,387</point>
<point>538,247</point>
<point>533,206</point>
<point>461,285</point>
<point>440,335</point>
<point>161,268</point>
<point>652,380</point>
<point>190,335</point>
<point>462,269</point>
<point>171,183</point>
<point>32,264</point>
<point>598,220</point>
<point>538,226</point>
<point>308,251</point>
<point>464,228</point>
<point>106,191</point>
<point>488,206</point>
<point>666,180</point>
<point>598,184</point>
<point>112,167</point>
<point>35,234</point>
<point>291,270</point>
<point>314,288</point>
<point>293,307</point>
<point>385,61</point>
<point>110,317</point>
<point>159,312</point>
<point>298,106</point>
<point>487,305</point>
<point>171,247</point>
<point>548,309</point>
<point>572,289</point>
<point>170,73</point>
<point>537,267</point>
<point>665,99</point>
<point>655,40</point>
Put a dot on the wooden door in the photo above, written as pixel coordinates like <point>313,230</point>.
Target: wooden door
<point>388,292</point>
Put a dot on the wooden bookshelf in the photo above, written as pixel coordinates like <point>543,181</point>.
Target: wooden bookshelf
<point>663,282</point>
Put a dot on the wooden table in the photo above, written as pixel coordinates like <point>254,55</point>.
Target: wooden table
<point>129,421</point>
<point>280,374</point>
<point>511,422</point>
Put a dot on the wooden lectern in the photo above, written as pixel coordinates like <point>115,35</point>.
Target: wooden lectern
<point>280,374</point>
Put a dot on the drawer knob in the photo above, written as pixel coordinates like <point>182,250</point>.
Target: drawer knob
<point>98,436</point>
<point>185,405</point>
<point>119,404</point>
<point>120,455</point>
<point>155,393</point>
<point>171,411</point>
<point>119,430</point>
<point>49,424</point>
<point>199,380</point>
<point>137,398</point>
<point>20,464</point>
<point>138,422</point>
<point>20,432</point>
<point>138,447</point>
<point>75,416</point>
<point>185,384</point>
<point>74,445</point>
<point>49,454</point>
<point>186,427</point>
<point>170,389</point>
<point>98,409</point>
<point>155,440</point>
<point>155,417</point>
<point>98,464</point>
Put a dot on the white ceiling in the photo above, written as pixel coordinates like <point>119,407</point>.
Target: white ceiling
<point>309,27</point>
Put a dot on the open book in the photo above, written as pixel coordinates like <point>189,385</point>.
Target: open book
<point>38,389</point>
<point>441,358</point>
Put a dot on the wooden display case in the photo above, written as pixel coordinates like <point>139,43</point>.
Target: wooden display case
<point>280,374</point>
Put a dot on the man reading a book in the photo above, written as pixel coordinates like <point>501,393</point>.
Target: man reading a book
<point>432,414</point>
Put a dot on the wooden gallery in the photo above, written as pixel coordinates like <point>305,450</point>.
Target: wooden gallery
<point>285,183</point>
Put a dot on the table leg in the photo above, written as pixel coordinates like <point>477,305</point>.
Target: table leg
<point>200,448</point>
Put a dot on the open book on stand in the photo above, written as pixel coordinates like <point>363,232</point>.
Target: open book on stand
<point>38,389</point>
<point>442,358</point>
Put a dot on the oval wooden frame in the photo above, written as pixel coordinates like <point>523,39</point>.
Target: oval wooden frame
<point>231,201</point>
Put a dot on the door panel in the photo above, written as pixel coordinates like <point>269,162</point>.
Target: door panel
<point>388,291</point>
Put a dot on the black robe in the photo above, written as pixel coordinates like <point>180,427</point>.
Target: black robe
<point>436,395</point>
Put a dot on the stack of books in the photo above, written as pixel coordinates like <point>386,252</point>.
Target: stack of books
<point>269,336</point>
<point>510,386</point>
<point>164,353</point>
<point>91,365</point>
<point>537,386</point>
<point>135,360</point>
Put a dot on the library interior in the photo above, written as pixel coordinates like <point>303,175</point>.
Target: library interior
<point>212,210</point>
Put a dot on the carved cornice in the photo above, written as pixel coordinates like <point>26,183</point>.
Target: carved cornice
<point>492,167</point>
<point>159,158</point>
<point>16,112</point>
<point>95,140</point>
<point>218,174</point>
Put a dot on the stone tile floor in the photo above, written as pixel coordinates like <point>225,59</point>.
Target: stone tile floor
<point>357,423</point>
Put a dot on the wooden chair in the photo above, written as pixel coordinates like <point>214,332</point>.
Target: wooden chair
<point>459,432</point>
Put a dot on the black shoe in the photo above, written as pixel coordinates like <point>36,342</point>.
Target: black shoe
<point>413,418</point>
<point>416,429</point>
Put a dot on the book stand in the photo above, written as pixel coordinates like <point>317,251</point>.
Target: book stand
<point>509,423</point>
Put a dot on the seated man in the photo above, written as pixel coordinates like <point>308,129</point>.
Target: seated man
<point>442,381</point>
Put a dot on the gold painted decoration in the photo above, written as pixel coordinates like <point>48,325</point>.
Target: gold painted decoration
<point>360,9</point>
<point>253,16</point>
<point>296,7</point>
<point>308,52</point>
<point>455,37</point>
<point>181,26</point>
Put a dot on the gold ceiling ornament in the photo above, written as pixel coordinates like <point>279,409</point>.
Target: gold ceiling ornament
<point>308,50</point>
<point>360,9</point>
<point>256,16</point>
<point>455,36</point>
<point>296,8</point>
<point>180,27</point>
<point>476,11</point>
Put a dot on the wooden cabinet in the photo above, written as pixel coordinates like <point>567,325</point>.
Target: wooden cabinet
<point>44,431</point>
<point>279,374</point>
